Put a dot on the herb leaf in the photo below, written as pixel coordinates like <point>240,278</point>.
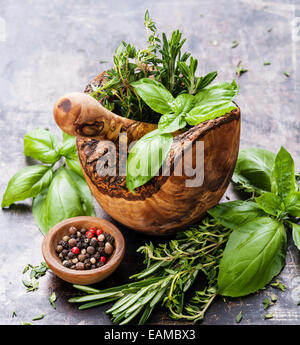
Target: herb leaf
<point>154,94</point>
<point>266,303</point>
<point>212,102</point>
<point>269,315</point>
<point>27,182</point>
<point>39,317</point>
<point>278,285</point>
<point>183,103</point>
<point>233,214</point>
<point>170,123</point>
<point>283,174</point>
<point>146,157</point>
<point>270,203</point>
<point>52,300</point>
<point>254,254</point>
<point>239,317</point>
<point>296,234</point>
<point>40,144</point>
<point>292,204</point>
<point>253,171</point>
<point>69,151</point>
<point>67,196</point>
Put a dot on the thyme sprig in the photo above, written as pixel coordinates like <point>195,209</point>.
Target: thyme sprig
<point>171,271</point>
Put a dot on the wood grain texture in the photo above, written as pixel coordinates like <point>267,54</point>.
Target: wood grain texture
<point>165,204</point>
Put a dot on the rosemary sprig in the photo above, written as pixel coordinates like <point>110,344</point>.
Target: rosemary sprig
<point>162,60</point>
<point>171,271</point>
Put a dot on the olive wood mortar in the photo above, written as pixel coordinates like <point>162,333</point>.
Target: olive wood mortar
<point>164,204</point>
<point>82,277</point>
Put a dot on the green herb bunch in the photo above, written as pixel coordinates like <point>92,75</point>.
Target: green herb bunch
<point>158,84</point>
<point>256,249</point>
<point>56,185</point>
<point>171,270</point>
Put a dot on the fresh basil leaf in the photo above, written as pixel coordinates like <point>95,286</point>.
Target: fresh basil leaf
<point>183,103</point>
<point>170,123</point>
<point>27,183</point>
<point>154,94</point>
<point>212,102</point>
<point>146,157</point>
<point>85,193</point>
<point>283,174</point>
<point>270,203</point>
<point>40,144</point>
<point>69,151</point>
<point>292,204</point>
<point>74,165</point>
<point>208,112</point>
<point>68,146</point>
<point>233,214</point>
<point>296,234</point>
<point>217,93</point>
<point>253,170</point>
<point>254,254</point>
<point>63,199</point>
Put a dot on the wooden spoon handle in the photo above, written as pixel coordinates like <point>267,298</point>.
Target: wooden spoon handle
<point>79,114</point>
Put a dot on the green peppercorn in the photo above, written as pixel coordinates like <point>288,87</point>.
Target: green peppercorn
<point>66,238</point>
<point>93,260</point>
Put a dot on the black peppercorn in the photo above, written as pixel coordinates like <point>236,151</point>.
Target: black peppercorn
<point>67,264</point>
<point>87,265</point>
<point>83,231</point>
<point>71,255</point>
<point>94,242</point>
<point>101,251</point>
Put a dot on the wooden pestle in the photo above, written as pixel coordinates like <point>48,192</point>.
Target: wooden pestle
<point>79,114</point>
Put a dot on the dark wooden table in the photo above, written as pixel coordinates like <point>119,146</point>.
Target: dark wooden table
<point>48,48</point>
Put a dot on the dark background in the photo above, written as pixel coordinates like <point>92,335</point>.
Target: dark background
<point>49,48</point>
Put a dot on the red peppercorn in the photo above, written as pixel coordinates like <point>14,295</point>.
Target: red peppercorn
<point>89,234</point>
<point>93,230</point>
<point>75,250</point>
<point>103,259</point>
<point>99,232</point>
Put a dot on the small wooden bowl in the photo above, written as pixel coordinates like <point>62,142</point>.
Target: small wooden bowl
<point>82,277</point>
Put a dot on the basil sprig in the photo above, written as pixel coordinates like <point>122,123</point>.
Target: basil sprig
<point>256,249</point>
<point>58,193</point>
<point>209,103</point>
